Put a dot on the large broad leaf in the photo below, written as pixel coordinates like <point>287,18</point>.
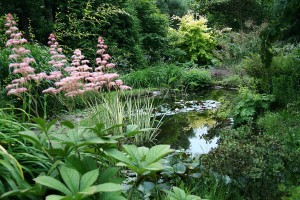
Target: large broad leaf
<point>109,187</point>
<point>112,196</point>
<point>119,156</point>
<point>88,179</point>
<point>53,183</point>
<point>177,194</point>
<point>54,197</point>
<point>71,178</point>
<point>143,151</point>
<point>105,187</point>
<point>155,167</point>
<point>179,168</point>
<point>108,175</point>
<point>133,153</point>
<point>157,152</point>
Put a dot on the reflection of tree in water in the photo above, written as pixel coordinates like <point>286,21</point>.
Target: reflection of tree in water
<point>176,131</point>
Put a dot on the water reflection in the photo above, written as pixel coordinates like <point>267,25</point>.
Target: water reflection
<point>184,131</point>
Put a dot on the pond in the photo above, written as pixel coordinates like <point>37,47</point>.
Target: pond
<point>188,118</point>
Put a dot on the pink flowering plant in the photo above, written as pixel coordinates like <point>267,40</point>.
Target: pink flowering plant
<point>82,78</point>
<point>67,80</point>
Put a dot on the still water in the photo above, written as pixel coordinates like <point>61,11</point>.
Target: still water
<point>187,119</point>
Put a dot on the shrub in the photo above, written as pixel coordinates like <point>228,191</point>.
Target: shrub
<point>236,81</point>
<point>285,126</point>
<point>195,38</point>
<point>254,161</point>
<point>234,46</point>
<point>253,66</point>
<point>156,76</point>
<point>285,77</point>
<point>195,79</point>
<point>249,105</point>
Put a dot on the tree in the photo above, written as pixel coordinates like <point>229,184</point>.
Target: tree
<point>233,13</point>
<point>154,29</point>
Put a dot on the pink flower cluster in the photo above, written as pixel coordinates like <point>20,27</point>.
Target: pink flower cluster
<point>21,62</point>
<point>82,78</point>
<point>102,60</point>
<point>79,77</point>
<point>58,60</point>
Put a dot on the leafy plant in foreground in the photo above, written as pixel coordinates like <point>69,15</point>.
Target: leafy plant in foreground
<point>76,186</point>
<point>179,194</point>
<point>142,160</point>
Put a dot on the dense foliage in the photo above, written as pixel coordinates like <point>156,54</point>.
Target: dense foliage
<point>57,63</point>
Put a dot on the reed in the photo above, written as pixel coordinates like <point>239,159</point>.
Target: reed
<point>127,109</point>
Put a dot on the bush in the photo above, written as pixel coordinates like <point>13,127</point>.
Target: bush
<point>254,161</point>
<point>156,76</point>
<point>195,39</point>
<point>285,77</point>
<point>234,46</point>
<point>248,105</point>
<point>236,81</point>
<point>195,79</point>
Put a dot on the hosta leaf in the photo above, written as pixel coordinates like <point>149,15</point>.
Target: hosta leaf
<point>71,178</point>
<point>88,179</point>
<point>53,183</point>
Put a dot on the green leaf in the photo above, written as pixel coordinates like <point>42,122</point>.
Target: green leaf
<point>154,167</point>
<point>31,136</point>
<point>179,168</point>
<point>109,174</point>
<point>68,124</point>
<point>54,197</point>
<point>109,187</point>
<point>88,179</point>
<point>71,178</point>
<point>132,130</point>
<point>133,153</point>
<point>157,152</point>
<point>54,166</point>
<point>41,122</point>
<point>179,193</point>
<point>193,197</point>
<point>112,196</point>
<point>53,183</point>
<point>119,156</point>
